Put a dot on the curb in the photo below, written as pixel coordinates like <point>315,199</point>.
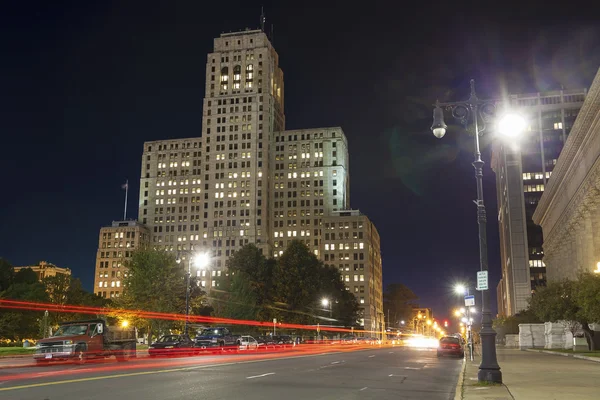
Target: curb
<point>458,394</point>
<point>554,353</point>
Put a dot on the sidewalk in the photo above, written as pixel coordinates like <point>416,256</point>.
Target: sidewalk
<point>532,376</point>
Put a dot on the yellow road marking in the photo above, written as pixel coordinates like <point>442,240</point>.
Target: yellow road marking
<point>162,371</point>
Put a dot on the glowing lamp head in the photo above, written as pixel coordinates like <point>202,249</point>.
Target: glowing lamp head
<point>511,125</point>
<point>201,260</point>
<point>439,126</point>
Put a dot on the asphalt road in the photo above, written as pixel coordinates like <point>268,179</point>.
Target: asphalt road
<point>386,373</point>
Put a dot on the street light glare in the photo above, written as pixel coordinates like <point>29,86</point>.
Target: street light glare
<point>325,302</point>
<point>201,260</point>
<point>511,125</point>
<point>460,289</point>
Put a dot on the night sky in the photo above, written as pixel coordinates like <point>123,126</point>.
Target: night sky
<point>83,84</point>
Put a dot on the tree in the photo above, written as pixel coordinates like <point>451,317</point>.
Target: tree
<point>510,325</point>
<point>344,305</point>
<point>398,303</point>
<point>7,274</point>
<point>155,282</point>
<point>251,284</point>
<point>562,302</point>
<point>588,299</point>
<point>289,288</point>
<point>296,284</point>
<point>22,324</point>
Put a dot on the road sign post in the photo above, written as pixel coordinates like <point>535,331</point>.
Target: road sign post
<point>482,280</point>
<point>469,301</point>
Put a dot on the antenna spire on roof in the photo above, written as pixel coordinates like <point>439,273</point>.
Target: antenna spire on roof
<point>263,19</point>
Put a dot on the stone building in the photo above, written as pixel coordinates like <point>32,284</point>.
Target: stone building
<point>116,243</point>
<point>522,170</point>
<point>569,211</point>
<point>45,269</point>
<point>248,180</point>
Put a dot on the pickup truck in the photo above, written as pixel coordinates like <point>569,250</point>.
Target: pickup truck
<point>217,337</point>
<point>81,340</point>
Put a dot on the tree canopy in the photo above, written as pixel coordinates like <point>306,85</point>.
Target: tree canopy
<point>290,288</point>
<point>573,302</point>
<point>155,282</point>
<point>398,303</point>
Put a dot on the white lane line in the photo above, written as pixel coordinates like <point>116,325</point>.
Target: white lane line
<point>372,356</point>
<point>260,376</point>
<point>360,390</point>
<point>391,352</point>
<point>412,368</point>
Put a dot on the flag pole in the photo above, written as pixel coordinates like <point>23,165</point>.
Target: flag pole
<point>125,209</point>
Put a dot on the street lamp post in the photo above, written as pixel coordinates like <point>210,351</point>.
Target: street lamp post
<point>473,109</point>
<point>327,303</point>
<point>200,261</point>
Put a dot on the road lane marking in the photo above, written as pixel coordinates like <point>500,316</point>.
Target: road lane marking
<point>415,368</point>
<point>360,390</point>
<point>372,356</point>
<point>260,376</point>
<point>391,352</point>
<point>163,371</point>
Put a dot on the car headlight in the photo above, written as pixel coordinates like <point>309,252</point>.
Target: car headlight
<point>168,347</point>
<point>68,342</point>
<point>213,340</point>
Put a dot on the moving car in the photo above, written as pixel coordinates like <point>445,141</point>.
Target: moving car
<point>172,345</point>
<point>81,340</point>
<point>452,346</point>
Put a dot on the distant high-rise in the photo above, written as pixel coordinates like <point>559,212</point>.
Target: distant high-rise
<point>247,179</point>
<point>115,245</point>
<point>521,174</point>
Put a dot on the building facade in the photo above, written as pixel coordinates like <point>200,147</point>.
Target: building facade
<point>247,179</point>
<point>522,171</point>
<point>310,182</point>
<point>351,243</point>
<point>45,270</point>
<point>569,212</point>
<point>115,245</point>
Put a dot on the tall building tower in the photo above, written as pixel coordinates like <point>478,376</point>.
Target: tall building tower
<point>211,194</point>
<point>115,245</point>
<point>309,174</point>
<point>248,180</point>
<point>243,106</point>
<point>521,175</point>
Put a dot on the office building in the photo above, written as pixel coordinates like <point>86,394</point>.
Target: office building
<point>247,179</point>
<point>351,243</point>
<point>522,171</point>
<point>115,246</point>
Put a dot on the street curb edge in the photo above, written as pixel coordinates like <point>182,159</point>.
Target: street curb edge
<point>554,353</point>
<point>458,394</point>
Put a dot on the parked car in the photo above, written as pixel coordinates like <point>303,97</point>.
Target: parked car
<point>217,337</point>
<point>248,343</point>
<point>172,345</point>
<point>450,345</point>
<point>264,342</point>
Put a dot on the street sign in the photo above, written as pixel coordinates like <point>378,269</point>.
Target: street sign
<point>469,301</point>
<point>482,280</point>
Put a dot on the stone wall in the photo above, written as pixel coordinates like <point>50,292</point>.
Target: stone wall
<point>555,335</point>
<point>511,340</point>
<point>532,336</point>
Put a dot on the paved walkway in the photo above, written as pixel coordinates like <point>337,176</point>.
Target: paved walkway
<point>534,376</point>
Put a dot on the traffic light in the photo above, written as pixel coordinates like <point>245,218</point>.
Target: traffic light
<point>445,324</point>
